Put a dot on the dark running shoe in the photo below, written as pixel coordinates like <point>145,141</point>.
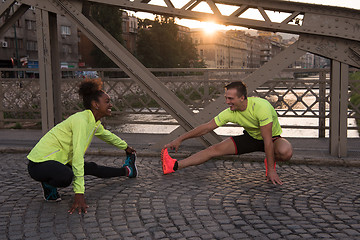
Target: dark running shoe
<point>131,165</point>
<point>50,193</point>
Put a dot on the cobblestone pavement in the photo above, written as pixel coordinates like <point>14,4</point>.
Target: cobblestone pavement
<point>221,199</point>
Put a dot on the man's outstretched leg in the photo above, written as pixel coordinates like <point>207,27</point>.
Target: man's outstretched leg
<point>170,165</point>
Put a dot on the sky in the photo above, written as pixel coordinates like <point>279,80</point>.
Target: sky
<point>252,14</point>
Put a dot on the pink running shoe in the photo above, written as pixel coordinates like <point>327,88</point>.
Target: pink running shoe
<point>167,162</point>
<point>266,168</point>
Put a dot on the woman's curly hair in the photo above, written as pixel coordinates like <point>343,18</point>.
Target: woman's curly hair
<point>90,89</point>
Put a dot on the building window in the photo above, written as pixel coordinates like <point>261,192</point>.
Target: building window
<point>30,25</point>
<point>31,46</point>
<point>65,30</point>
<point>14,44</point>
<point>18,24</point>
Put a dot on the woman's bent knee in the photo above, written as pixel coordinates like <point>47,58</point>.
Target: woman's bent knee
<point>51,172</point>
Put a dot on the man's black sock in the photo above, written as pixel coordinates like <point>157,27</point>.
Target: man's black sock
<point>176,165</point>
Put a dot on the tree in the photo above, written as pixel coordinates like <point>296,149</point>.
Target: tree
<point>159,45</point>
<point>110,19</point>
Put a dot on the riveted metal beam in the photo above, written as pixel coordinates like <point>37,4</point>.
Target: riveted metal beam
<point>55,67</point>
<point>338,108</point>
<point>5,6</point>
<point>13,18</point>
<point>339,22</point>
<point>293,6</point>
<point>341,50</point>
<point>45,69</point>
<point>332,26</point>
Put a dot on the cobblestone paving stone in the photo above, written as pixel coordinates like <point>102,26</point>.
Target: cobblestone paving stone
<point>221,199</point>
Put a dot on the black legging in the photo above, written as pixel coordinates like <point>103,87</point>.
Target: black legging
<point>59,175</point>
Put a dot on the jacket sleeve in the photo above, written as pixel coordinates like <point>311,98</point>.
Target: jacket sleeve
<point>110,138</point>
<point>79,137</point>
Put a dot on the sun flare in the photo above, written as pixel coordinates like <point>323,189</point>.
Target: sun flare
<point>211,27</point>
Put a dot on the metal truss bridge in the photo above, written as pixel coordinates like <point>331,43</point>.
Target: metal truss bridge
<point>331,32</point>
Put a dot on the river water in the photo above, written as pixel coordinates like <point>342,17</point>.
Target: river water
<point>229,130</point>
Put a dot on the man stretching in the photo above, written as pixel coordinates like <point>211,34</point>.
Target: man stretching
<point>262,133</point>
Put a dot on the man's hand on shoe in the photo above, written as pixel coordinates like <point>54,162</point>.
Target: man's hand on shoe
<point>174,145</point>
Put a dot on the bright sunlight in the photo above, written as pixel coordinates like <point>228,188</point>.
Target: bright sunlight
<point>208,27</point>
<point>211,27</point>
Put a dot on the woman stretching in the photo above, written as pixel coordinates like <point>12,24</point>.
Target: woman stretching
<point>58,158</point>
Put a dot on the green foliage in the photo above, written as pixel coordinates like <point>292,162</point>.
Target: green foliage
<point>17,126</point>
<point>110,19</point>
<point>355,96</point>
<point>159,45</point>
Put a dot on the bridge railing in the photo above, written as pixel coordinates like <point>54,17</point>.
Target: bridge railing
<point>300,96</point>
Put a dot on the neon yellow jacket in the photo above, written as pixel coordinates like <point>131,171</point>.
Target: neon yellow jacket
<point>67,143</point>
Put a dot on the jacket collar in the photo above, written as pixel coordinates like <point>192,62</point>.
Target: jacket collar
<point>92,117</point>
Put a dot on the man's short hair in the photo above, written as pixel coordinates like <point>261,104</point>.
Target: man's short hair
<point>240,88</point>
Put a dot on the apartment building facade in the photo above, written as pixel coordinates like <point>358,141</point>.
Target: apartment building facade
<point>19,45</point>
<point>220,50</point>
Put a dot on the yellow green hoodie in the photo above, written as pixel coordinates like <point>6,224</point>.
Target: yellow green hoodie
<point>67,143</point>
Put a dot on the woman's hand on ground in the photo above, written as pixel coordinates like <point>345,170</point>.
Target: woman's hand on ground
<point>79,203</point>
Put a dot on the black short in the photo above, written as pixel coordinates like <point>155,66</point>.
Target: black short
<point>247,144</point>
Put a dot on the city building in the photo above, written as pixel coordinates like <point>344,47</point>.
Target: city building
<point>19,45</point>
<point>310,60</point>
<point>129,31</point>
<point>269,49</point>
<point>236,49</point>
<point>254,46</point>
<point>220,50</point>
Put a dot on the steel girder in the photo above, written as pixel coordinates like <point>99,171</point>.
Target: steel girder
<point>11,19</point>
<point>46,89</point>
<point>49,65</point>
<point>318,20</point>
<point>338,108</point>
<point>5,7</point>
<point>342,50</point>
